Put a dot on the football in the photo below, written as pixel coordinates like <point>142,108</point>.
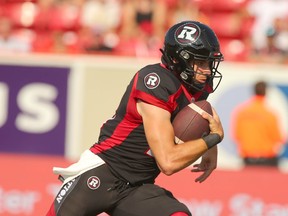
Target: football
<point>188,124</point>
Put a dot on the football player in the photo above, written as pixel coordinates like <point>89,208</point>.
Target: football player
<point>117,174</point>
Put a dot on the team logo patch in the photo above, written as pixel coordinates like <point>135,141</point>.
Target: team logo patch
<point>93,182</point>
<point>187,33</point>
<point>151,80</point>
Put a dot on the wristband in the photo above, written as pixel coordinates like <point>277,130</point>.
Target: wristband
<point>212,139</point>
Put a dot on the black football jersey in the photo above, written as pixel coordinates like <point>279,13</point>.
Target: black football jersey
<point>122,143</point>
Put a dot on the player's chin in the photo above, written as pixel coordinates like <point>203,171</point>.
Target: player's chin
<point>200,82</point>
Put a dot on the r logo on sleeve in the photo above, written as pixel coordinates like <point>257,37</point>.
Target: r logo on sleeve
<point>151,80</point>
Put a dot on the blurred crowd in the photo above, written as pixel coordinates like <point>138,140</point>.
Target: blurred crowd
<point>247,29</point>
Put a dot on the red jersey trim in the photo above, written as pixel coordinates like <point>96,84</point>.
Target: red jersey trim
<point>151,100</point>
<point>117,137</point>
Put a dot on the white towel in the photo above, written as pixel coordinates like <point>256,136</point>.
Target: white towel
<point>88,160</point>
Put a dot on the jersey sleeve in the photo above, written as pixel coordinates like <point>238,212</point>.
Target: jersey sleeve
<point>156,86</point>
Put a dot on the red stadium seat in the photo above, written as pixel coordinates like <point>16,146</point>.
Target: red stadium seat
<point>234,49</point>
<point>221,5</point>
<point>230,25</point>
<point>21,14</point>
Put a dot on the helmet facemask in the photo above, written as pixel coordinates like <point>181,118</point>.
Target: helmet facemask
<point>188,73</point>
<point>183,64</point>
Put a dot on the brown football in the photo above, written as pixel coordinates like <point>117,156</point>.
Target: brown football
<point>188,124</point>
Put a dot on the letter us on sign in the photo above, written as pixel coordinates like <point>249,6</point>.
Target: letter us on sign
<point>33,107</point>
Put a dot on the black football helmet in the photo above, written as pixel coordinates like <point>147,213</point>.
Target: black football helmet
<point>186,42</point>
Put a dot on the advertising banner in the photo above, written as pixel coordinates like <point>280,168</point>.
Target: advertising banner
<point>33,106</point>
<point>254,191</point>
<point>27,183</point>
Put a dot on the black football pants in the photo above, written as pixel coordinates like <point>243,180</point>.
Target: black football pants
<point>98,190</point>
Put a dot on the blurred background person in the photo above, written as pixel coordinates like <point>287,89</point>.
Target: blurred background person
<point>182,10</point>
<point>142,28</point>
<point>56,24</point>
<point>277,39</point>
<point>266,29</point>
<point>11,40</point>
<point>99,32</point>
<point>256,130</point>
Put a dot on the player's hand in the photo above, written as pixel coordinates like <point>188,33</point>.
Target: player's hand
<point>207,165</point>
<point>215,124</point>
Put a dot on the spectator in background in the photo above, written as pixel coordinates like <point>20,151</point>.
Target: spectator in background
<point>56,24</point>
<point>100,20</point>
<point>143,27</point>
<point>181,10</point>
<point>256,130</point>
<point>278,42</point>
<point>10,40</point>
<point>265,13</point>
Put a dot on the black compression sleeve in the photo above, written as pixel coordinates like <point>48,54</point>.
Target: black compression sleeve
<point>212,139</point>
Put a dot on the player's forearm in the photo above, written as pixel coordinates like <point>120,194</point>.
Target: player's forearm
<point>181,156</point>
